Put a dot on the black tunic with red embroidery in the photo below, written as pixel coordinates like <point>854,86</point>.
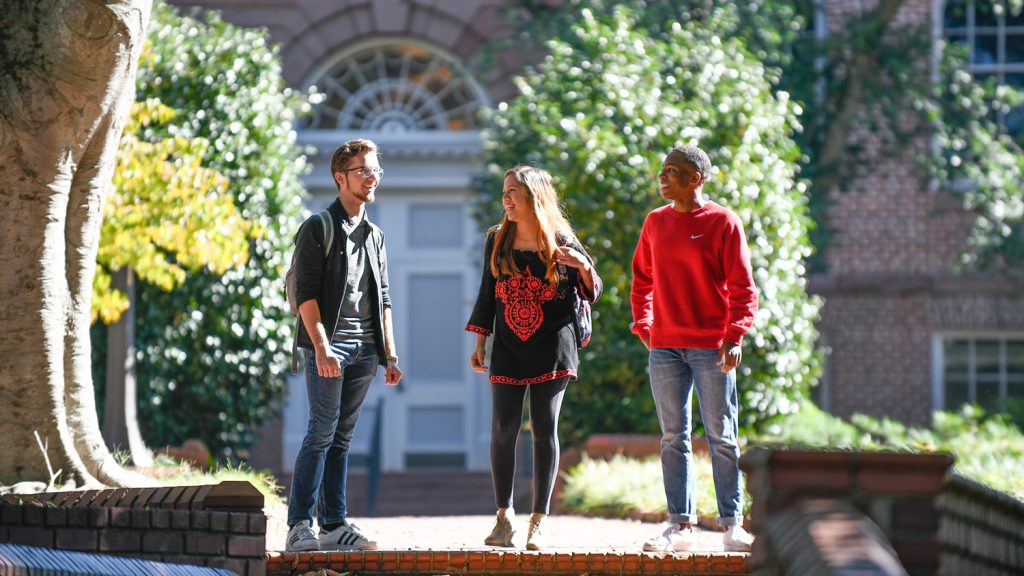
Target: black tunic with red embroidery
<point>532,321</point>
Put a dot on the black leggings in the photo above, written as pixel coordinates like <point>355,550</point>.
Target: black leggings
<point>506,419</point>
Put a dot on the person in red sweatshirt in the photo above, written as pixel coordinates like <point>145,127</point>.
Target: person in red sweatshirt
<point>694,299</point>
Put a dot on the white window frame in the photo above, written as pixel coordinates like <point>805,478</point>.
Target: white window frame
<point>1000,68</point>
<point>938,363</point>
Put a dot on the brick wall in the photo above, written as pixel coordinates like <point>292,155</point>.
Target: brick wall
<point>814,511</point>
<point>221,526</point>
<point>879,362</point>
<point>311,33</point>
<point>981,530</point>
<point>896,491</point>
<point>891,282</point>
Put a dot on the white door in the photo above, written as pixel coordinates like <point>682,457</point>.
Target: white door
<point>439,416</point>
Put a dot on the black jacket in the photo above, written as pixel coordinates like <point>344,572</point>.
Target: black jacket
<point>324,280</point>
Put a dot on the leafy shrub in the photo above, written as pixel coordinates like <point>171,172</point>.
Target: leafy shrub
<point>622,485</point>
<point>989,450</point>
<point>600,113</point>
<point>212,353</point>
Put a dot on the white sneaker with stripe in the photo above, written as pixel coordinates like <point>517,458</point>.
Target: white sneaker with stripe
<point>346,537</point>
<point>301,538</point>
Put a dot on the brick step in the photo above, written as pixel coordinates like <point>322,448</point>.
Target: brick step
<point>507,562</point>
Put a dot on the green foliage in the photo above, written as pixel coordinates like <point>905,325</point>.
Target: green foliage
<point>624,485</point>
<point>212,356</point>
<point>989,450</point>
<point>172,472</point>
<point>166,214</point>
<point>600,113</point>
<point>979,160</point>
<point>613,487</point>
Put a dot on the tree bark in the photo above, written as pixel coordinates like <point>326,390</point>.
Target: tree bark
<point>120,414</point>
<point>68,82</point>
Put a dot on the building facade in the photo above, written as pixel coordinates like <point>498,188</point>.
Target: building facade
<point>904,333</point>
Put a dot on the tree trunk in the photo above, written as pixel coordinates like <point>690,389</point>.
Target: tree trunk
<point>67,84</point>
<point>120,414</point>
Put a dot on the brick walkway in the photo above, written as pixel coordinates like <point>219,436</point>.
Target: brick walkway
<point>452,545</point>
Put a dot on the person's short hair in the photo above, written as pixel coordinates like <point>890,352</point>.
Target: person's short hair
<point>696,158</point>
<point>350,150</point>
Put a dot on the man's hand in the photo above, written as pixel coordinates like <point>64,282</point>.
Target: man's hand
<point>729,356</point>
<point>392,374</point>
<point>327,366</point>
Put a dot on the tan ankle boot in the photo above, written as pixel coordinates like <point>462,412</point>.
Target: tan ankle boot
<point>535,538</point>
<point>502,533</point>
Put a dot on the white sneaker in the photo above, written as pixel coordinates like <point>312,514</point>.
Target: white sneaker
<point>301,538</point>
<point>346,537</point>
<point>736,539</point>
<point>673,539</point>
<point>502,533</point>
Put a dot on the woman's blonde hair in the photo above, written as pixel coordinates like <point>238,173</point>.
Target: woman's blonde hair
<point>552,224</point>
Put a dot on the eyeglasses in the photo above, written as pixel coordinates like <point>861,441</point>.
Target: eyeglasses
<point>366,171</point>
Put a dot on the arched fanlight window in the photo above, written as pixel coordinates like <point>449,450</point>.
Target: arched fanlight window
<point>396,87</point>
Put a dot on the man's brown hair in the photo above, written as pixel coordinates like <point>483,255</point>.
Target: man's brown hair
<point>350,150</point>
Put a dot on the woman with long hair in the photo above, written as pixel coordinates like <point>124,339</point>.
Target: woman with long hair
<point>535,270</point>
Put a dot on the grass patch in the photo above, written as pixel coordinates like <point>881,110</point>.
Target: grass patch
<point>175,473</point>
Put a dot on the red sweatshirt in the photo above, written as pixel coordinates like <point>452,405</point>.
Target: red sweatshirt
<point>692,283</point>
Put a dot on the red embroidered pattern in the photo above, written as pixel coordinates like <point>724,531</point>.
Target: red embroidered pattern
<point>534,380</point>
<point>523,296</point>
<point>478,330</point>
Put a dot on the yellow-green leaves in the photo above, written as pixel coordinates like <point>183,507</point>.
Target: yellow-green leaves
<point>166,214</point>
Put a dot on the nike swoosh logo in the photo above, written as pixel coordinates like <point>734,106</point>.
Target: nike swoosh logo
<point>695,236</point>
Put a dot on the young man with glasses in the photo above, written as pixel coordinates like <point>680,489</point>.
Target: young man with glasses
<point>693,300</point>
<point>346,331</point>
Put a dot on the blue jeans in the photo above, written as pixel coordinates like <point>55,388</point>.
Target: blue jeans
<point>675,372</point>
<point>334,404</point>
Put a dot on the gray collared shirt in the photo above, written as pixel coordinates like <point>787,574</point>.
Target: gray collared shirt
<point>355,322</point>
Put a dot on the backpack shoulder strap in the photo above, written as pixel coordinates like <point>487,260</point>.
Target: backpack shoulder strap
<point>328,223</point>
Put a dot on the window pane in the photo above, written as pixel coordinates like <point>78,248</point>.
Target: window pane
<point>1012,20</point>
<point>1015,357</point>
<point>984,15</point>
<point>988,395</point>
<point>986,358</point>
<point>986,47</point>
<point>1014,48</point>
<point>956,392</point>
<point>1015,386</point>
<point>1015,369</point>
<point>956,14</point>
<point>955,356</point>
